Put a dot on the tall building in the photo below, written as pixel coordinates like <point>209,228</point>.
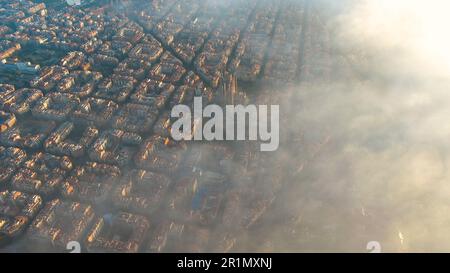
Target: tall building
<point>227,89</point>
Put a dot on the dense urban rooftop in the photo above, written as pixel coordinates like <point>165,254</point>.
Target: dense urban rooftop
<point>85,97</point>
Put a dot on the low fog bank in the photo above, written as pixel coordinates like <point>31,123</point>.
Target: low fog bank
<point>384,174</point>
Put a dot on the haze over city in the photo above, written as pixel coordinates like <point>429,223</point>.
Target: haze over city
<point>86,154</point>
